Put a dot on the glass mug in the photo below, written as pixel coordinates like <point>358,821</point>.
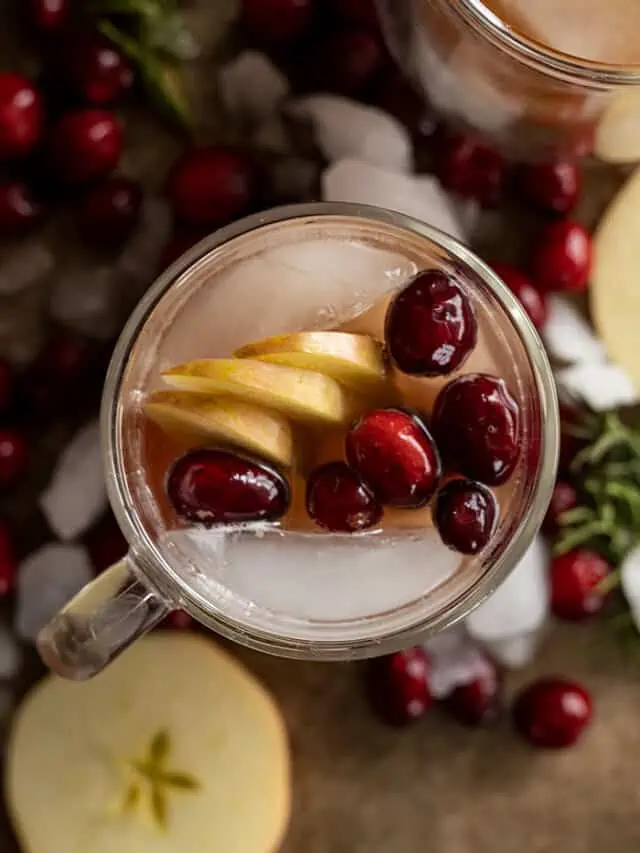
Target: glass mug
<point>532,101</point>
<point>168,569</point>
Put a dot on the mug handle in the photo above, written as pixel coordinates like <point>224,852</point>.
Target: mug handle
<point>101,621</point>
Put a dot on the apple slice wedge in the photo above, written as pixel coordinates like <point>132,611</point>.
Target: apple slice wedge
<point>174,748</point>
<point>615,292</point>
<point>223,419</point>
<point>303,395</point>
<point>356,361</point>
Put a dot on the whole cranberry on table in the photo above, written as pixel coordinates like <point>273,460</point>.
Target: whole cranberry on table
<point>347,61</point>
<point>20,209</point>
<point>89,67</point>
<point>59,373</point>
<point>110,211</point>
<point>532,300</point>
<point>552,188</point>
<point>21,116</point>
<point>398,686</point>
<point>48,15</point>
<point>179,620</point>
<point>14,456</point>
<point>338,500</point>
<point>84,145</point>
<point>277,22</point>
<point>564,497</point>
<point>575,579</point>
<point>552,713</point>
<point>210,186</point>
<point>356,11</point>
<point>563,257</point>
<point>470,168</point>
<point>8,561</point>
<point>480,701</point>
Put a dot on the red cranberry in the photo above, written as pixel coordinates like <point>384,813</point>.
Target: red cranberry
<point>58,372</point>
<point>20,210</point>
<point>212,486</point>
<point>476,424</point>
<point>8,562</point>
<point>48,15</point>
<point>356,12</point>
<point>398,686</point>
<point>478,703</point>
<point>6,384</point>
<point>552,712</point>
<point>533,301</point>
<point>430,326</point>
<point>393,452</point>
<point>551,187</point>
<point>109,213</point>
<point>13,457</point>
<point>179,620</point>
<point>563,498</point>
<point>84,145</point>
<point>339,501</point>
<point>106,544</point>
<point>347,61</point>
<point>21,115</point>
<point>91,67</point>
<point>563,257</point>
<point>575,580</point>
<point>277,22</point>
<point>466,514</point>
<point>470,168</point>
<point>211,186</point>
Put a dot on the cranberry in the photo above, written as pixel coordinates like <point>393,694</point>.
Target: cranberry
<point>8,562</point>
<point>58,372</point>
<point>110,211</point>
<point>476,424</point>
<point>575,580</point>
<point>106,544</point>
<point>84,145</point>
<point>356,12</point>
<point>469,168</point>
<point>478,703</point>
<point>277,22</point>
<point>347,61</point>
<point>563,498</point>
<point>395,455</point>
<point>213,486</point>
<point>533,301</point>
<point>430,326</point>
<point>6,384</point>
<point>562,260</point>
<point>48,15</point>
<point>13,457</point>
<point>339,501</point>
<point>552,712</point>
<point>466,514</point>
<point>211,186</point>
<point>91,67</point>
<point>551,187</point>
<point>398,686</point>
<point>21,115</point>
<point>20,210</point>
<point>179,620</point>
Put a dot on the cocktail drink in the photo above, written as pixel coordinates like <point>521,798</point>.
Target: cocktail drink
<point>540,77</point>
<point>329,430</point>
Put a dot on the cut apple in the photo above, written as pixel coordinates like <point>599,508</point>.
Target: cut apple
<point>300,394</point>
<point>235,422</point>
<point>174,748</point>
<point>353,360</point>
<point>617,138</point>
<point>614,292</point>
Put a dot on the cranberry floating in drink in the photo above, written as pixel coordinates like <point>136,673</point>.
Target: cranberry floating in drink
<point>466,514</point>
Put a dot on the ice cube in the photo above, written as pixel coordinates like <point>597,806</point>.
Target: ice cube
<point>10,654</point>
<point>47,580</point>
<point>419,196</point>
<point>567,335</point>
<point>520,605</point>
<point>138,264</point>
<point>602,386</point>
<point>345,129</point>
<point>86,300</point>
<point>251,87</point>
<point>630,582</point>
<point>76,496</point>
<point>27,264</point>
<point>513,652</point>
<point>455,659</point>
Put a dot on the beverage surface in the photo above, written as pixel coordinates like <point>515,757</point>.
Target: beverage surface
<point>589,29</point>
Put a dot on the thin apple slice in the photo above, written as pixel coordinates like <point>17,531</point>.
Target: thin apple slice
<point>615,292</point>
<point>303,395</point>
<point>353,360</point>
<point>617,138</point>
<point>223,419</point>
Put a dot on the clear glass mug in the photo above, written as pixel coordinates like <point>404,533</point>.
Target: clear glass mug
<point>136,594</point>
<point>532,101</point>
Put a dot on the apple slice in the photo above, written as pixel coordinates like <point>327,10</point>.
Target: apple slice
<point>244,425</point>
<point>353,360</point>
<point>174,748</point>
<point>300,394</point>
<point>614,292</point>
<point>617,138</point>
